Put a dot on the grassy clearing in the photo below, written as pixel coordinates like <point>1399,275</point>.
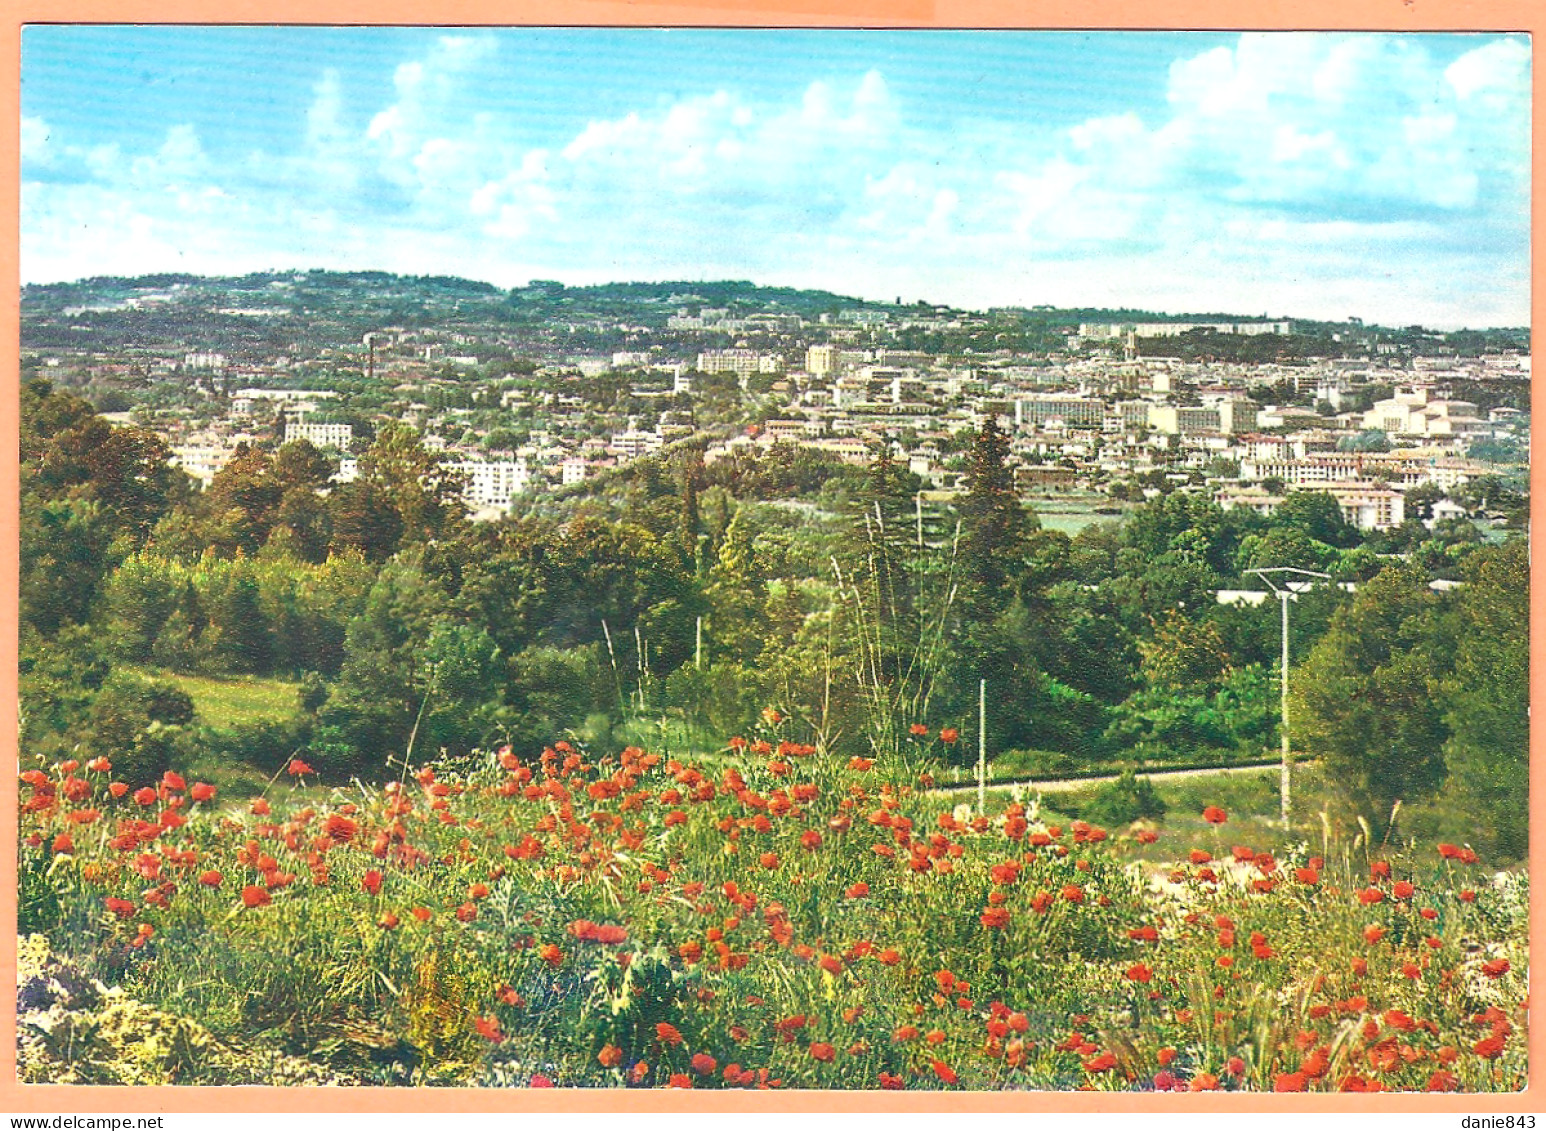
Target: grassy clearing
<point>235,701</point>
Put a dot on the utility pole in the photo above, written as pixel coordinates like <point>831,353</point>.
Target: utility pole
<point>982,747</point>
<point>1286,583</point>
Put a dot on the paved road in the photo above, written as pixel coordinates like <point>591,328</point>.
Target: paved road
<point>1062,785</point>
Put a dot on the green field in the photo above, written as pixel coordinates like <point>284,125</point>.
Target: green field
<point>233,702</point>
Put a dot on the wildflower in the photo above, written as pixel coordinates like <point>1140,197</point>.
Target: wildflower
<point>1373,934</point>
<point>822,1051</point>
<point>995,918</point>
<point>918,730</point>
<point>1204,1082</point>
<point>889,957</point>
<point>668,1033</point>
<point>202,791</point>
<point>858,890</point>
<point>1214,815</point>
<point>1235,1067</point>
<point>1489,1048</point>
<point>538,1080</point>
<point>1288,1082</point>
<point>1496,968</point>
<point>371,882</point>
<point>1104,1062</point>
<point>1371,895</point>
<point>145,796</point>
<point>1138,972</point>
<point>551,954</point>
<point>610,1056</point>
<point>1403,889</point>
<point>703,1064</point>
<point>1073,893</point>
<point>63,845</point>
<point>211,878</point>
<point>944,1071</point>
<point>489,1028</point>
<point>771,716</point>
<point>949,735</point>
<point>299,768</point>
<point>1198,856</point>
<point>1379,870</point>
<point>1165,1056</point>
<point>892,1083</point>
<point>1443,1081</point>
<point>679,1080</point>
<point>253,896</point>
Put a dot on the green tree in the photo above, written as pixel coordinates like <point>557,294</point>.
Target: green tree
<point>1488,691</point>
<point>994,526</point>
<point>1367,700</point>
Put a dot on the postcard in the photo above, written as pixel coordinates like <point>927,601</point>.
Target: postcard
<point>983,564</point>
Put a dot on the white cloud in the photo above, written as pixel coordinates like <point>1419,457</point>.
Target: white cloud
<point>1298,174</point>
<point>35,142</point>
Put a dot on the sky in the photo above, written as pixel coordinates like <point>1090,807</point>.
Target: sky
<point>1308,175</point>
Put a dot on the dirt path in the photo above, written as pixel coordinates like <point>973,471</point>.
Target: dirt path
<point>1063,785</point>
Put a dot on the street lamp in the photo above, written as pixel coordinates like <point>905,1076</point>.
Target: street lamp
<point>1286,583</point>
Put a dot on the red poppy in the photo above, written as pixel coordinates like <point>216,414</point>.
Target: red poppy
<point>892,1083</point>
<point>918,730</point>
<point>63,844</point>
<point>889,957</point>
<point>299,768</point>
<point>211,878</point>
<point>145,796</point>
<point>858,890</point>
<point>1138,972</point>
<point>1288,1082</point>
<point>822,1051</point>
<point>944,1071</point>
<point>253,896</point>
<point>1373,934</point>
<point>1073,893</point>
<point>995,918</point>
<point>489,1028</point>
<point>668,1033</point>
<point>202,791</point>
<point>703,1064</point>
<point>371,882</point>
<point>1496,968</point>
<point>610,1056</point>
<point>679,1080</point>
<point>1403,889</point>
<point>1371,895</point>
<point>1489,1048</point>
<point>1214,815</point>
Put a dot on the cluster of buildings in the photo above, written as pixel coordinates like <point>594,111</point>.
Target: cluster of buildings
<point>1093,418</point>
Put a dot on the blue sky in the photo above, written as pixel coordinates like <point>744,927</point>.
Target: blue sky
<point>1311,175</point>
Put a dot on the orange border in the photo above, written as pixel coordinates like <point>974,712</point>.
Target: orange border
<point>1372,15</point>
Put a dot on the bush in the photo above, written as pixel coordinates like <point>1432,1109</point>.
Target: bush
<point>1127,799</point>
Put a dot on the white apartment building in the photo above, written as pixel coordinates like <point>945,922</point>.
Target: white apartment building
<point>492,483</point>
<point>320,435</point>
<point>1039,409</point>
<point>743,363</point>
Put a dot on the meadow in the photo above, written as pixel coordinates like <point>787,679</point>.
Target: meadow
<point>772,917</point>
